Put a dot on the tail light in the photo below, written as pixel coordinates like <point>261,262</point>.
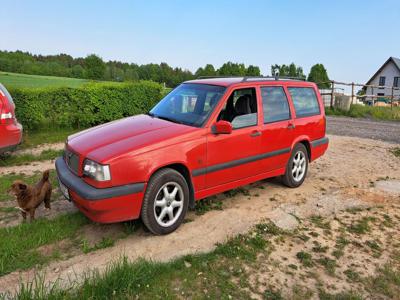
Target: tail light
<point>6,110</point>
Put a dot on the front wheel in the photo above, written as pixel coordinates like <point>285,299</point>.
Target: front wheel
<point>165,202</point>
<point>297,167</point>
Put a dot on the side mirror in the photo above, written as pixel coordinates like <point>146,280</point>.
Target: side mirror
<point>222,127</point>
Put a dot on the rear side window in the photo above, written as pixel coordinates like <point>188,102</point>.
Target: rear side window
<point>275,104</point>
<point>305,101</point>
<point>6,93</point>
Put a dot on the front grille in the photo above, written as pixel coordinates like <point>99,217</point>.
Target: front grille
<point>72,160</point>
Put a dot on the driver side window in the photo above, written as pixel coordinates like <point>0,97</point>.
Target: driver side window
<point>240,108</point>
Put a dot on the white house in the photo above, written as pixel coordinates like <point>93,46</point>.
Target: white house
<point>389,76</point>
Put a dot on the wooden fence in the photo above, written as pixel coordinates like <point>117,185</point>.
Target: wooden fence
<point>393,99</point>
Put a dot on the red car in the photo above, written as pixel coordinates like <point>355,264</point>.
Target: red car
<point>205,137</point>
<point>10,129</point>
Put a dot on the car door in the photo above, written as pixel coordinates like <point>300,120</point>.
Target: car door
<point>234,156</point>
<point>277,128</point>
<point>309,120</point>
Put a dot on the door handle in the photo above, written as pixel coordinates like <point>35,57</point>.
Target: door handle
<point>255,133</point>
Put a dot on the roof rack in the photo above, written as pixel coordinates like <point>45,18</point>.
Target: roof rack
<point>249,78</point>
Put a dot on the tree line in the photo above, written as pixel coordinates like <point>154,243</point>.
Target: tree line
<point>93,67</point>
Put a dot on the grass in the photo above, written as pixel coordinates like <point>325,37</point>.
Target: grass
<point>17,160</point>
<point>361,226</point>
<point>104,243</point>
<point>363,111</point>
<point>197,276</point>
<point>7,180</point>
<point>35,138</point>
<point>305,258</point>
<point>207,204</point>
<point>227,273</point>
<point>16,80</point>
<point>329,265</point>
<point>19,244</point>
<point>387,282</point>
<point>339,296</point>
<point>396,151</point>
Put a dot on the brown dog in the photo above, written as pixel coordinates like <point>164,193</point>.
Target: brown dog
<point>30,197</point>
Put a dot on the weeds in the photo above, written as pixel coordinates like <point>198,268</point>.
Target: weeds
<point>363,111</point>
<point>17,160</point>
<point>104,243</point>
<point>361,226</point>
<point>352,275</point>
<point>329,265</point>
<point>192,276</point>
<point>305,258</point>
<point>19,244</point>
<point>207,204</point>
<point>396,151</point>
<point>319,222</point>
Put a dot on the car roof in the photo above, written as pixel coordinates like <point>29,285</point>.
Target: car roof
<point>228,81</point>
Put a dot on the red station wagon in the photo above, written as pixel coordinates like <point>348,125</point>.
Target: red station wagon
<point>205,137</point>
<point>10,129</point>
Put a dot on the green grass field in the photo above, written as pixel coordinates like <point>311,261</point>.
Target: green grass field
<point>15,80</point>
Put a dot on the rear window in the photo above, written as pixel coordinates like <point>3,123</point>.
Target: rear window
<point>6,93</point>
<point>305,101</point>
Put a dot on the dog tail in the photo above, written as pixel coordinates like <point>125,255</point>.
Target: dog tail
<point>46,175</point>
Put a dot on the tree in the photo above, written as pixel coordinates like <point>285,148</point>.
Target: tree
<point>319,75</point>
<point>232,69</point>
<point>253,71</point>
<point>287,71</point>
<point>95,67</point>
<point>208,70</point>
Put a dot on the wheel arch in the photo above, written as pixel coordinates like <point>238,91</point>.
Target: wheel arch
<point>306,142</point>
<point>184,171</point>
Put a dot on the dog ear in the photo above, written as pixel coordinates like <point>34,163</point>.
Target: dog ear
<point>22,186</point>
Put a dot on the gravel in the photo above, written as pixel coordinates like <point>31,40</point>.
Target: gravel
<point>364,128</point>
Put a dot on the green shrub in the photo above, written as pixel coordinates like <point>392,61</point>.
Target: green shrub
<point>86,106</point>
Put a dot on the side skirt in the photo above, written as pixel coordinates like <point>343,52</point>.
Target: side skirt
<point>234,184</point>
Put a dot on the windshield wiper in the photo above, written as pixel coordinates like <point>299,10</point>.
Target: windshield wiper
<point>168,119</point>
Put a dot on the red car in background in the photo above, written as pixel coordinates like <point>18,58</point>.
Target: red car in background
<point>10,129</point>
<point>205,137</point>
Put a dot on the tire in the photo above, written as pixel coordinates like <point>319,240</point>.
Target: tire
<point>165,202</point>
<point>295,177</point>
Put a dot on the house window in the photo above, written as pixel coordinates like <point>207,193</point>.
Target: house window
<point>396,82</point>
<point>381,94</point>
<point>382,80</point>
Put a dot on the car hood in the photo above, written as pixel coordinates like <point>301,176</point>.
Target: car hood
<point>127,135</point>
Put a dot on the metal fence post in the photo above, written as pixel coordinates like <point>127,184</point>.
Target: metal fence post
<point>352,92</point>
<point>332,93</point>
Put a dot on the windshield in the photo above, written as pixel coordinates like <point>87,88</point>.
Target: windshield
<point>189,104</point>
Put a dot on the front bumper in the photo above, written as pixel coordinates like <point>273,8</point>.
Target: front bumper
<point>106,205</point>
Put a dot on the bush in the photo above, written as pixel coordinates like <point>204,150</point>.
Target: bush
<point>86,106</point>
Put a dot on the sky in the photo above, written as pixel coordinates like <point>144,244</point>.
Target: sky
<point>352,38</point>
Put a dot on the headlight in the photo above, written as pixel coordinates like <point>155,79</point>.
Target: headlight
<point>96,171</point>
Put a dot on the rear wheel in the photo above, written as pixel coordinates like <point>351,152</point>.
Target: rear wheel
<point>165,202</point>
<point>297,167</point>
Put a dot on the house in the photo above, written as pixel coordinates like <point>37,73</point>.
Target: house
<point>387,76</point>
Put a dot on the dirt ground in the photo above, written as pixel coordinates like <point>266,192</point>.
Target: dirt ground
<point>354,173</point>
